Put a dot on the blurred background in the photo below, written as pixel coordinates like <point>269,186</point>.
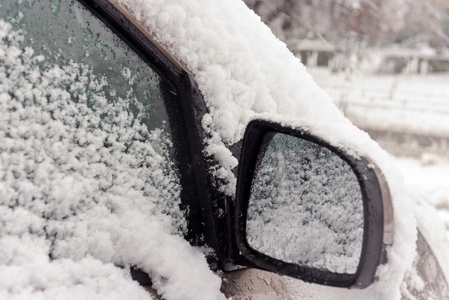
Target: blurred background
<point>385,63</point>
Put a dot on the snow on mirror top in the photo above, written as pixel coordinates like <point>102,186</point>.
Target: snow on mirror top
<point>305,206</point>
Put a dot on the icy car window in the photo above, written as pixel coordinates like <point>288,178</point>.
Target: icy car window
<point>306,206</point>
<point>85,140</point>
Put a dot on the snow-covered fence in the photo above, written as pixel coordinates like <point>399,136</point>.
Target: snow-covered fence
<point>408,112</point>
<point>400,96</point>
<point>354,55</point>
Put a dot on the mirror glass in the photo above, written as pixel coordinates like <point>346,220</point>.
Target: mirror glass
<point>305,206</point>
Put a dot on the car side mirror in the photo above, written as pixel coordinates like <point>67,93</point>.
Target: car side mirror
<point>309,210</point>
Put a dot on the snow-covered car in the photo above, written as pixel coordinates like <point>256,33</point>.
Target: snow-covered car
<point>181,144</point>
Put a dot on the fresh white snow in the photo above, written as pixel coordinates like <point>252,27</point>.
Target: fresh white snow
<point>244,73</point>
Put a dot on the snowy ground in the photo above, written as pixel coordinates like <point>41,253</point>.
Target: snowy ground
<point>429,176</point>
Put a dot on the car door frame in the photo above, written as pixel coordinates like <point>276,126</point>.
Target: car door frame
<point>199,195</point>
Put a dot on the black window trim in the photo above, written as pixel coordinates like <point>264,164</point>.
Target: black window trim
<point>199,196</point>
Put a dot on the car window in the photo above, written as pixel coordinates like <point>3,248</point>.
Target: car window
<point>84,125</point>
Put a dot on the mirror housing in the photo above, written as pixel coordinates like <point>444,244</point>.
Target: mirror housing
<point>377,211</point>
